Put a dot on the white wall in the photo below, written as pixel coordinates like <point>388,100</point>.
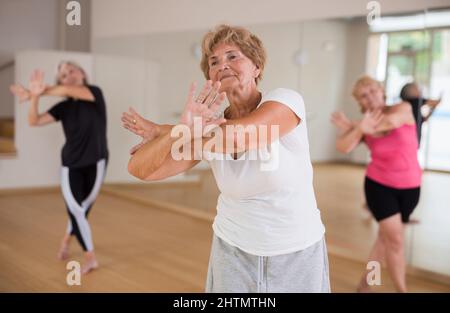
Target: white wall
<point>118,17</point>
<point>320,80</point>
<point>125,82</point>
<point>357,41</point>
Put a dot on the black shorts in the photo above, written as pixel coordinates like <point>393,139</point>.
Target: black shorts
<point>384,201</point>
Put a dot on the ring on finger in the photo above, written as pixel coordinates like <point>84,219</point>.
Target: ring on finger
<point>213,99</point>
<point>200,99</point>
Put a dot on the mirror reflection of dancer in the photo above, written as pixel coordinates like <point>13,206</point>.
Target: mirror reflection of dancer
<point>85,153</point>
<point>268,234</point>
<point>393,177</point>
<point>411,94</point>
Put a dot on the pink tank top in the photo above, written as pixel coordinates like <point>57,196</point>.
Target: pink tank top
<point>394,158</point>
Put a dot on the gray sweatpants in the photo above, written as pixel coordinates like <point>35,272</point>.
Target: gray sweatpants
<point>232,270</point>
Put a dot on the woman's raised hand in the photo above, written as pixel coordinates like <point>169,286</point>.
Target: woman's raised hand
<point>205,106</point>
<point>36,84</point>
<point>20,91</point>
<point>142,127</point>
<point>370,121</point>
<point>341,121</point>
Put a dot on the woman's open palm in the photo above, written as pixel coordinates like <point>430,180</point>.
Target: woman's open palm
<point>20,91</point>
<point>142,127</point>
<point>206,106</point>
<point>36,84</point>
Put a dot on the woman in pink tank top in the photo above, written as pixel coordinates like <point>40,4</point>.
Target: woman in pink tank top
<point>393,176</point>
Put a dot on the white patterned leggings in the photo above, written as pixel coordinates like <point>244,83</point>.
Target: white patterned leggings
<point>80,188</point>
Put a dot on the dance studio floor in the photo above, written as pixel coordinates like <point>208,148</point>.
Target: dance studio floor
<point>339,192</point>
<point>156,237</point>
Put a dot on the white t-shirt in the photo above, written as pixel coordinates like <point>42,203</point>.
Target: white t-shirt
<point>267,206</point>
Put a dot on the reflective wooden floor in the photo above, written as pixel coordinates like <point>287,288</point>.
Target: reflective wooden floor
<point>146,243</point>
<point>339,192</point>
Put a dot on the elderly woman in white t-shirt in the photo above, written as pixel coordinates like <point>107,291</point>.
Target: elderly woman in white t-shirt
<point>268,234</point>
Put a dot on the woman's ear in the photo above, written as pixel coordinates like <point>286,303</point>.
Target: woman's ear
<point>257,72</point>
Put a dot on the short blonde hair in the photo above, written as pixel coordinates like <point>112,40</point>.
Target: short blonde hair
<point>365,81</point>
<point>74,64</point>
<point>250,45</point>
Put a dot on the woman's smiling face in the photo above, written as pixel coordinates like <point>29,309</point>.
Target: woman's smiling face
<point>370,97</point>
<point>70,75</point>
<point>231,67</point>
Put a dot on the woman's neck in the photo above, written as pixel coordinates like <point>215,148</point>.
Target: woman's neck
<point>242,103</point>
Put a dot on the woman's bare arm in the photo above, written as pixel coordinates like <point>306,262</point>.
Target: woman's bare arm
<point>36,119</point>
<point>38,87</point>
<point>77,92</point>
<point>348,141</point>
<point>432,104</point>
<point>154,160</point>
<point>395,117</point>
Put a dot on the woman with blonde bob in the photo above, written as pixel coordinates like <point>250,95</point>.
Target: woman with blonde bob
<point>393,176</point>
<point>268,234</point>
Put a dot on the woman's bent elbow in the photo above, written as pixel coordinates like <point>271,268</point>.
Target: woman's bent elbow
<point>134,171</point>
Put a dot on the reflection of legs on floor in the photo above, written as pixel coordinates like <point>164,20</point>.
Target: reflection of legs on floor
<point>389,248</point>
<point>392,234</point>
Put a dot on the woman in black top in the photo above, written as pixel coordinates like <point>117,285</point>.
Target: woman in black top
<point>411,93</point>
<point>85,153</point>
